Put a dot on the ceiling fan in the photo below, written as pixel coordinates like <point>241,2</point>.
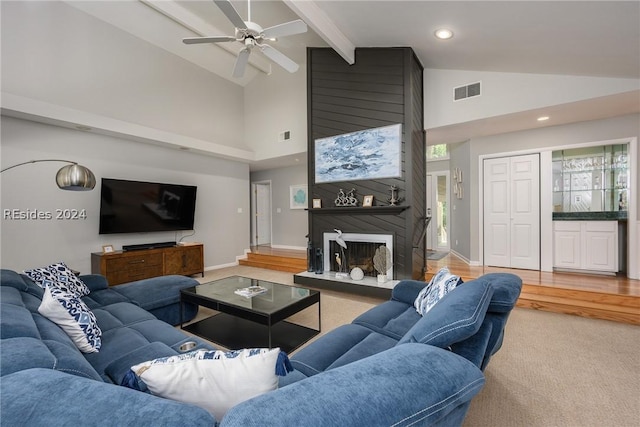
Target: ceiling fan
<point>253,35</point>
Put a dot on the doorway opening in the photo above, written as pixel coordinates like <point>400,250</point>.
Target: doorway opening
<point>261,213</point>
<point>438,202</point>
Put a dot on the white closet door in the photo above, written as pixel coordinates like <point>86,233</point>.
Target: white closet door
<point>512,212</point>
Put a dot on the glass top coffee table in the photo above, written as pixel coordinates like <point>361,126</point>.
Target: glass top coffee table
<point>249,322</point>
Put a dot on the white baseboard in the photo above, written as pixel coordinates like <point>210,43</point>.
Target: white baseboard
<point>295,248</point>
<point>218,267</point>
<point>466,260</point>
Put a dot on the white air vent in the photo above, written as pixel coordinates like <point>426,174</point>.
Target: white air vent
<point>284,136</point>
<point>467,91</point>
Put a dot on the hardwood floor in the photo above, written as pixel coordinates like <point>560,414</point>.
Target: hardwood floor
<point>619,285</point>
<point>615,298</point>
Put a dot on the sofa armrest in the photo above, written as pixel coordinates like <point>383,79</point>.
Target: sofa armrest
<point>407,291</point>
<point>411,384</point>
<point>95,282</point>
<point>44,397</point>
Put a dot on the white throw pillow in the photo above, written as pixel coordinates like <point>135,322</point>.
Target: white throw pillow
<point>73,316</point>
<point>214,380</point>
<point>440,284</point>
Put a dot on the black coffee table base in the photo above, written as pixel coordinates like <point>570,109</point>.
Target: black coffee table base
<point>236,333</point>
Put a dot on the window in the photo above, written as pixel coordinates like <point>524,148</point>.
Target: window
<point>437,152</point>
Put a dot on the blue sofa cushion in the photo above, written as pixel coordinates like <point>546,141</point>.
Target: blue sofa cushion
<point>103,297</point>
<point>506,290</point>
<point>95,282</point>
<point>456,317</point>
<point>391,318</point>
<point>25,352</point>
<point>60,276</point>
<point>161,297</point>
<point>16,320</point>
<point>406,291</point>
<point>341,346</point>
<point>117,369</point>
<point>468,348</point>
<point>127,327</point>
<point>156,292</point>
<point>10,278</point>
<point>46,398</point>
<point>408,385</point>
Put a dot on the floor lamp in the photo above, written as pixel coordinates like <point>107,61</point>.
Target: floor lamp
<point>73,177</point>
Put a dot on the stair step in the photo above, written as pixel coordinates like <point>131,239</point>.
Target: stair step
<point>598,305</point>
<point>292,261</point>
<point>271,266</point>
<point>558,304</point>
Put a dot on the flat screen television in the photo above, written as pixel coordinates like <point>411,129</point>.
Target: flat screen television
<point>141,207</point>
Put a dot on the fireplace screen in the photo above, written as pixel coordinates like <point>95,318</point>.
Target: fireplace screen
<point>359,252</point>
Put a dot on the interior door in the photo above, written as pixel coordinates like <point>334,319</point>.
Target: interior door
<point>263,214</point>
<point>512,212</point>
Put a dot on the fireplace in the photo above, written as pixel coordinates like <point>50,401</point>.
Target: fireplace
<point>359,252</point>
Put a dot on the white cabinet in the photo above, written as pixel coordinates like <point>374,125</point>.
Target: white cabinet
<point>586,245</point>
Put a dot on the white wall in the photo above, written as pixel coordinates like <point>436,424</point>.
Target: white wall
<point>275,103</point>
<point>289,226</point>
<point>55,53</point>
<point>505,93</point>
<point>223,187</point>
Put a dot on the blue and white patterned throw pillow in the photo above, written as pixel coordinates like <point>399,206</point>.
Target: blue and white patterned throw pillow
<point>73,316</point>
<point>60,276</point>
<point>440,284</point>
<point>213,380</point>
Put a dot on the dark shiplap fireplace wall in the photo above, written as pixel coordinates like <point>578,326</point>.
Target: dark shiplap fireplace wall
<point>383,87</point>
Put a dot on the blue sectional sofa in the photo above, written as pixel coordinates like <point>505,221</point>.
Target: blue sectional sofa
<point>389,367</point>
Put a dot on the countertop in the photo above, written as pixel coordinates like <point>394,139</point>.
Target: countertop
<point>590,216</point>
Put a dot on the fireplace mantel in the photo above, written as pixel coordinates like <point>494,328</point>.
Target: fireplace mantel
<point>374,210</point>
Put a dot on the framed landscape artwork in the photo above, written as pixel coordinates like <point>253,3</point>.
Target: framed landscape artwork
<point>366,154</point>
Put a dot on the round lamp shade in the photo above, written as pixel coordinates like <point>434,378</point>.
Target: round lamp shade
<point>76,178</point>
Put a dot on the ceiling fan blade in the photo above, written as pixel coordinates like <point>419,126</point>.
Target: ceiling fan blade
<point>287,29</point>
<point>241,63</point>
<point>279,58</point>
<point>214,39</point>
<point>231,13</point>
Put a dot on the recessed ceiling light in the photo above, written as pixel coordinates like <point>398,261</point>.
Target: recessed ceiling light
<point>543,118</point>
<point>443,34</point>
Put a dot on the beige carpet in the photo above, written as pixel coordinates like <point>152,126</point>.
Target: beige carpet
<point>553,369</point>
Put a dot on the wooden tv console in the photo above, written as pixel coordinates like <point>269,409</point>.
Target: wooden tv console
<point>122,267</point>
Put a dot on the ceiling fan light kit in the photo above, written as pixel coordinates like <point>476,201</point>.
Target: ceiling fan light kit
<point>253,35</point>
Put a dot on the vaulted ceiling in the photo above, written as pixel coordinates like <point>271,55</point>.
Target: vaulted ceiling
<point>587,38</point>
<point>571,38</point>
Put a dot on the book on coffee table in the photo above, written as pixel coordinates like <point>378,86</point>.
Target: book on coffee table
<point>251,291</point>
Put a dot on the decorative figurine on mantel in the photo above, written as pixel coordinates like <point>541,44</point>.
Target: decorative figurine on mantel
<point>382,262</point>
<point>340,258</point>
<point>394,199</point>
<point>346,200</point>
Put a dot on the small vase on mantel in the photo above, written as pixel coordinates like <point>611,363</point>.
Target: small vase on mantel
<point>382,278</point>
